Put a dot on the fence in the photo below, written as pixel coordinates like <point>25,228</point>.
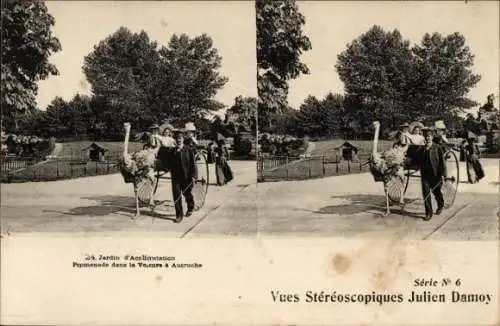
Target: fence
<point>56,169</point>
<point>11,163</point>
<point>296,168</point>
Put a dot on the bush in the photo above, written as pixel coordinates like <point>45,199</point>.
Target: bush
<point>283,145</point>
<point>493,142</point>
<point>242,147</point>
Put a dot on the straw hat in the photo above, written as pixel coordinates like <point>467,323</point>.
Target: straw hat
<point>189,126</point>
<point>404,125</point>
<point>416,124</point>
<point>167,126</point>
<point>439,125</point>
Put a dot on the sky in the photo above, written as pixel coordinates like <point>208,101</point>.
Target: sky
<point>82,24</point>
<point>331,25</point>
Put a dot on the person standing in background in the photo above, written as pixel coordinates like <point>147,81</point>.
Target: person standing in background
<point>440,138</point>
<point>475,170</point>
<point>223,171</point>
<point>190,130</point>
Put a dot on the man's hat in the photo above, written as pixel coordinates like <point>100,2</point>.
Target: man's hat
<point>405,125</point>
<point>439,125</point>
<point>154,126</point>
<point>189,126</point>
<point>177,132</point>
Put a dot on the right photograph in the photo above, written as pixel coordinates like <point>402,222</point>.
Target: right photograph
<point>378,118</point>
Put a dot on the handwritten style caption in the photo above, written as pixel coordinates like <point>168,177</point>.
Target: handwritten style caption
<point>132,262</point>
<point>445,290</point>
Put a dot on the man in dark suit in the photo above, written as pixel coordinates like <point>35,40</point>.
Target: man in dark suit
<point>184,173</point>
<point>432,174</point>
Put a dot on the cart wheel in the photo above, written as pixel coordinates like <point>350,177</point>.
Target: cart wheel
<point>200,188</point>
<point>159,175</point>
<point>145,189</point>
<point>397,187</point>
<point>450,185</point>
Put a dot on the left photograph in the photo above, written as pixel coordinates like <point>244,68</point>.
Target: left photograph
<point>129,116</point>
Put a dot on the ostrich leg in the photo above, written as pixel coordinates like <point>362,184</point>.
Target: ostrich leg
<point>136,196</point>
<point>126,159</point>
<point>387,209</point>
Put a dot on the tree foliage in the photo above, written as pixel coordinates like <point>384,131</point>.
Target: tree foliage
<point>191,66</point>
<point>444,75</point>
<point>27,43</point>
<point>245,111</point>
<point>280,43</point>
<point>322,118</point>
<point>138,79</point>
<point>386,79</point>
<point>376,69</point>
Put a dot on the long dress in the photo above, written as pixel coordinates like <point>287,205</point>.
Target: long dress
<point>223,171</point>
<point>475,170</point>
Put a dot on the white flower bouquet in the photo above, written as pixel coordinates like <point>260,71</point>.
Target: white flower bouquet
<point>389,162</point>
<point>138,165</point>
<point>395,156</point>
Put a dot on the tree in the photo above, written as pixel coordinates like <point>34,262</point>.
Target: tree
<point>27,43</point>
<point>284,122</point>
<point>245,110</point>
<point>321,118</point>
<point>376,69</point>
<point>192,66</point>
<point>144,83</point>
<point>280,43</point>
<point>443,76</point>
<point>123,69</point>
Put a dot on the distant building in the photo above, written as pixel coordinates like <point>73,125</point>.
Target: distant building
<point>95,153</point>
<point>348,151</point>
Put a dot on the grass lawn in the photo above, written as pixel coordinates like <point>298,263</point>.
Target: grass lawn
<point>325,161</point>
<point>76,150</point>
<point>313,167</point>
<point>69,165</point>
<point>327,147</point>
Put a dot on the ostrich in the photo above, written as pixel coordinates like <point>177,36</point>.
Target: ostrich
<point>387,165</point>
<point>138,169</point>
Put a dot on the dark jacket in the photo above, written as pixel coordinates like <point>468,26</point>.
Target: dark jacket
<point>182,164</point>
<point>472,152</point>
<point>433,163</point>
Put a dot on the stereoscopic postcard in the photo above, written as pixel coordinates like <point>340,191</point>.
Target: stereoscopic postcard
<point>260,162</point>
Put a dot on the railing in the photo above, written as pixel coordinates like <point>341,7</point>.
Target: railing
<point>56,169</point>
<point>301,168</point>
<point>11,163</point>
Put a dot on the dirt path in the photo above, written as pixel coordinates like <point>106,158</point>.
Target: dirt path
<point>352,206</point>
<point>106,204</point>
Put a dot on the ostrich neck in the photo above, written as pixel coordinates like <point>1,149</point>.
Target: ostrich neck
<point>125,144</point>
<point>375,138</point>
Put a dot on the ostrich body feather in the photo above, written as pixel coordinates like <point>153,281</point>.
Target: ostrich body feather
<point>140,164</point>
